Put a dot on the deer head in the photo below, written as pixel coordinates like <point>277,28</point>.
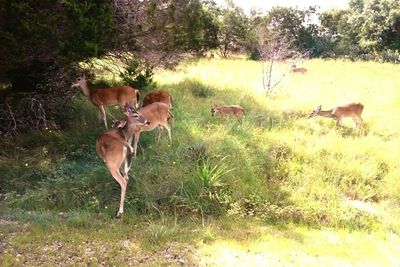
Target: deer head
<point>79,81</point>
<point>134,115</point>
<point>315,112</point>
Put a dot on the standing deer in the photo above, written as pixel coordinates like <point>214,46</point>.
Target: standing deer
<point>352,110</point>
<point>159,116</point>
<point>114,148</point>
<point>295,69</point>
<point>104,97</point>
<point>158,96</point>
<point>236,110</point>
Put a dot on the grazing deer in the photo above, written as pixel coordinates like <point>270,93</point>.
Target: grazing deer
<point>104,97</point>
<point>295,69</point>
<point>114,148</point>
<point>158,115</point>
<point>236,110</point>
<point>352,110</point>
<point>158,96</point>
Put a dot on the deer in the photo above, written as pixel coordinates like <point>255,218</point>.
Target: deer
<point>113,147</point>
<point>105,97</point>
<point>159,115</point>
<point>223,111</point>
<point>338,113</point>
<point>295,69</point>
<point>158,96</point>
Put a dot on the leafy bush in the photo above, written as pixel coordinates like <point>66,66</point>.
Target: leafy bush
<point>137,74</point>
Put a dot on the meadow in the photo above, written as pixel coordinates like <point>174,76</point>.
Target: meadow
<point>273,189</point>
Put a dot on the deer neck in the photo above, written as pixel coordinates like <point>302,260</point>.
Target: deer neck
<point>326,113</point>
<point>85,90</point>
<point>128,131</point>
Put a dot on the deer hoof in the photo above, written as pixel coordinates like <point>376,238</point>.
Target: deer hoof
<point>119,215</point>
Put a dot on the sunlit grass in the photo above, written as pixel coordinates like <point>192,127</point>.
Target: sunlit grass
<point>322,165</point>
<point>297,246</point>
<point>275,188</point>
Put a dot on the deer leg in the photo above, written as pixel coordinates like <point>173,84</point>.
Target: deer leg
<point>168,127</point>
<point>135,143</point>
<point>358,120</point>
<point>239,116</point>
<point>122,183</point>
<point>338,122</point>
<point>102,115</point>
<point>126,165</point>
<point>160,130</point>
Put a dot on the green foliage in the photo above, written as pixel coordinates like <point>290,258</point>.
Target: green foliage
<point>198,89</point>
<point>137,75</point>
<point>205,192</point>
<point>36,37</point>
<point>233,27</point>
<point>209,174</point>
<point>200,26</point>
<point>294,24</point>
<point>368,30</point>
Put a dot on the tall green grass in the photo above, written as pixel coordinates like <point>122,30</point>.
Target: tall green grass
<point>275,164</point>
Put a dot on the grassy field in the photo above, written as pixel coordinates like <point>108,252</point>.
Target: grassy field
<point>274,189</point>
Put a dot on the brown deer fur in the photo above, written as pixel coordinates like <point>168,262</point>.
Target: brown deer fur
<point>114,148</point>
<point>158,96</point>
<point>104,97</point>
<point>230,110</point>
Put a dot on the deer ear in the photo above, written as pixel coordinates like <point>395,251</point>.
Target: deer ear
<point>127,107</point>
<point>319,107</point>
<point>122,124</point>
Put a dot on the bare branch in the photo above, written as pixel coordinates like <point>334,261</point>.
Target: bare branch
<point>274,47</point>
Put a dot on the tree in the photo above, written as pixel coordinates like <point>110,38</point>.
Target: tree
<point>160,31</point>
<point>297,25</point>
<point>332,41</point>
<point>273,47</point>
<point>367,29</point>
<point>37,36</point>
<point>378,27</point>
<point>233,28</point>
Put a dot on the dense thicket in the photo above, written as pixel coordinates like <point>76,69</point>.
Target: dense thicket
<point>40,35</point>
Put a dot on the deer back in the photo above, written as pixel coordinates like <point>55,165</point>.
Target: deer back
<point>158,96</point>
<point>231,109</point>
<point>115,96</point>
<point>349,110</point>
<point>111,96</point>
<point>157,113</point>
<point>298,70</point>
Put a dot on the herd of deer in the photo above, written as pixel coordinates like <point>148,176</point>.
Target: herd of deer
<point>114,145</point>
